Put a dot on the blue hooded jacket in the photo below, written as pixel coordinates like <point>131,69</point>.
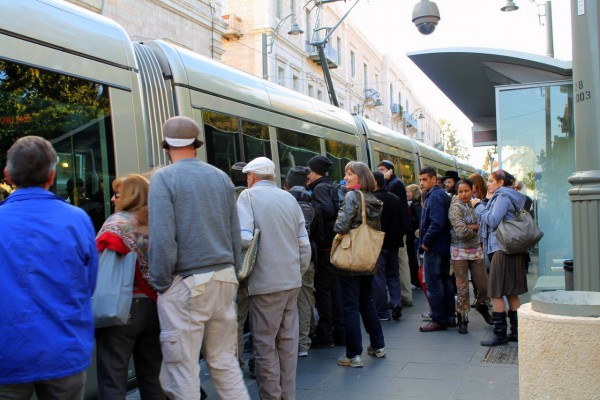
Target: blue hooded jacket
<point>434,230</point>
<point>48,268</point>
<point>498,208</point>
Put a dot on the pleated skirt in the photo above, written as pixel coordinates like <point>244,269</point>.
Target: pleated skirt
<point>507,275</point>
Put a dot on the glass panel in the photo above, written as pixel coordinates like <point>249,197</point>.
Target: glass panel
<point>256,140</point>
<point>405,169</point>
<point>537,145</point>
<point>222,140</point>
<point>74,115</point>
<point>340,154</point>
<point>295,149</point>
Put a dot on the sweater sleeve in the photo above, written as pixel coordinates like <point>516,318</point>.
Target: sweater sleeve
<point>246,218</point>
<point>492,216</point>
<point>162,234</point>
<point>303,242</point>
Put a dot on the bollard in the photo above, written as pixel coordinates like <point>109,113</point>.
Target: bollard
<point>569,281</point>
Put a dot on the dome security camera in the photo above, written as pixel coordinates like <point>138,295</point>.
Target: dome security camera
<point>426,16</point>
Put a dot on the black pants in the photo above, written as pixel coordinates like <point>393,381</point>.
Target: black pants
<point>116,344</point>
<point>413,261</point>
<point>67,388</point>
<point>330,327</point>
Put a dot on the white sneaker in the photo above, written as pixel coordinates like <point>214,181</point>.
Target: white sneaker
<point>302,353</point>
<point>379,353</point>
<point>426,316</point>
<point>355,362</point>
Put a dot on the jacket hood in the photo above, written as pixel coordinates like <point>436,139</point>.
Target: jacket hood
<point>515,196</point>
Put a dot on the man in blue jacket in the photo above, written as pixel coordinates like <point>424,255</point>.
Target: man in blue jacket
<point>47,278</point>
<point>434,240</point>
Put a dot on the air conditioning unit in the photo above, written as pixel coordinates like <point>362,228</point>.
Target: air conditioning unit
<point>396,108</point>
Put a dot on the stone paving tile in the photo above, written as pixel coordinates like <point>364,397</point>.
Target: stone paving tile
<point>425,366</point>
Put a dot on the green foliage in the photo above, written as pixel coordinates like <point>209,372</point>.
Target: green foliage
<point>450,143</point>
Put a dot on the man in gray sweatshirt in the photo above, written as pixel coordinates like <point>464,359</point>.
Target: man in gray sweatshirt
<point>194,246</point>
<point>282,258</point>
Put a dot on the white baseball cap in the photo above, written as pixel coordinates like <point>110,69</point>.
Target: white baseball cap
<point>261,166</point>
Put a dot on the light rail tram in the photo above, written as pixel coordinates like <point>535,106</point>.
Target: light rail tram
<point>77,79</point>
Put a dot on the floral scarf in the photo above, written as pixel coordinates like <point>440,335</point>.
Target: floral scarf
<point>121,232</point>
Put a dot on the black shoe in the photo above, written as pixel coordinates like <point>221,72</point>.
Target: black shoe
<point>451,323</point>
<point>397,312</point>
<point>321,345</point>
<point>483,309</point>
<point>463,323</point>
<point>499,337</point>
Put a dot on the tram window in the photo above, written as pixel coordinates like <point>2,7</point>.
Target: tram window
<point>74,115</point>
<point>340,154</point>
<point>295,149</point>
<point>222,143</point>
<point>403,167</point>
<point>256,140</point>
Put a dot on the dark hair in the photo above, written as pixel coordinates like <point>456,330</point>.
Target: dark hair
<point>429,171</point>
<point>237,176</point>
<point>387,164</point>
<point>365,177</point>
<point>504,176</point>
<point>30,161</point>
<point>464,181</point>
<point>379,179</point>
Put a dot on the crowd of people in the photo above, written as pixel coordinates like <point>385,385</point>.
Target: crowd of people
<point>188,223</point>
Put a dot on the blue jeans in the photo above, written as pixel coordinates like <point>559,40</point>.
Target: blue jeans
<point>439,288</point>
<point>386,279</point>
<point>357,302</point>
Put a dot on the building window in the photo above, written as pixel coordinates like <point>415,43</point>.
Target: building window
<point>391,94</point>
<point>281,76</point>
<point>320,94</point>
<point>339,51</point>
<point>311,90</point>
<point>296,83</point>
<point>278,8</point>
<point>365,76</point>
<point>293,6</point>
<point>308,26</point>
<point>352,64</point>
<point>376,82</point>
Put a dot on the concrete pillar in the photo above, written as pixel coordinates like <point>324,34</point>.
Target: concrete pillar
<point>585,193</point>
<point>559,356</point>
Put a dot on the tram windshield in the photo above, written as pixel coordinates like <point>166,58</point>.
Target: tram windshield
<point>74,115</point>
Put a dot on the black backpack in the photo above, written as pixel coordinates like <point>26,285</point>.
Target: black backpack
<point>338,192</point>
<point>309,213</point>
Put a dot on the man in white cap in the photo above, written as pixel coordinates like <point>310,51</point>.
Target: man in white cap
<point>194,249</point>
<point>283,256</point>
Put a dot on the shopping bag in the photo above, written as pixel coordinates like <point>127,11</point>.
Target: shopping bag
<point>112,298</point>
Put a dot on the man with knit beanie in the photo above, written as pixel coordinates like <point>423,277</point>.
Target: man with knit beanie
<point>330,327</point>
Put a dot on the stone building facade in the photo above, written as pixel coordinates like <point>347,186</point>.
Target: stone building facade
<point>232,31</point>
<point>194,24</point>
<point>361,75</point>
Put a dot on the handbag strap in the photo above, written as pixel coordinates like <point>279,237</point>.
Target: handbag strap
<point>251,209</point>
<point>364,208</point>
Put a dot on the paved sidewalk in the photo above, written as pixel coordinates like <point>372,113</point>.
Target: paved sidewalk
<point>439,365</point>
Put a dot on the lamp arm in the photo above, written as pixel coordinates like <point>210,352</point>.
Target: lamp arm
<point>276,31</point>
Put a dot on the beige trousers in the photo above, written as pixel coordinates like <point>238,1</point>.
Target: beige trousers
<point>306,304</point>
<point>194,317</point>
<point>405,290</point>
<point>274,327</point>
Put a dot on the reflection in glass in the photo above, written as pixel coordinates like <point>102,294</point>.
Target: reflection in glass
<point>295,149</point>
<point>340,154</point>
<point>221,133</point>
<point>256,140</point>
<point>74,115</point>
<point>537,140</point>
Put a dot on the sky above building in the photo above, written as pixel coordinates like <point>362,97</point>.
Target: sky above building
<point>464,23</point>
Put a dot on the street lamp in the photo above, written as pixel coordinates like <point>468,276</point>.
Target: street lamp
<point>412,116</point>
<point>269,39</point>
<point>511,6</point>
<point>372,99</point>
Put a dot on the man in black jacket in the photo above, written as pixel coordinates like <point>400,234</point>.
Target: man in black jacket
<point>396,186</point>
<point>386,276</point>
<point>330,328</point>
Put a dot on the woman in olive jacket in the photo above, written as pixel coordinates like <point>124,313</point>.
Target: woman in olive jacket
<point>356,288</point>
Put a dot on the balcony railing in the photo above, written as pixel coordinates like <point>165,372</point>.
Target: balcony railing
<point>411,121</point>
<point>330,54</point>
